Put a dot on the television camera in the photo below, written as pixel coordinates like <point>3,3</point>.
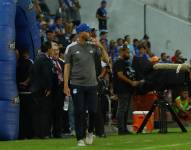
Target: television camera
<point>164,77</point>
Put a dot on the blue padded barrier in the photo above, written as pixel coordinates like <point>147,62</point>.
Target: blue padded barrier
<point>26,28</point>
<point>9,111</point>
<point>7,12</point>
<point>8,88</point>
<point>9,120</point>
<point>7,43</point>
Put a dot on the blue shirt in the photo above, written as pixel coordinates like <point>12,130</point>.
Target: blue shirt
<point>136,50</point>
<point>115,54</point>
<point>132,53</point>
<point>102,12</point>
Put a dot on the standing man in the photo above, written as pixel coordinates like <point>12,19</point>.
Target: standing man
<point>41,87</point>
<point>80,70</point>
<point>123,87</point>
<point>24,66</point>
<point>57,94</point>
<point>101,15</point>
<point>76,13</point>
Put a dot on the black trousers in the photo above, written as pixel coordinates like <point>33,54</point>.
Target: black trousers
<point>102,24</point>
<point>99,124</point>
<point>57,111</point>
<point>26,115</point>
<point>84,98</point>
<point>42,115</point>
<point>122,111</point>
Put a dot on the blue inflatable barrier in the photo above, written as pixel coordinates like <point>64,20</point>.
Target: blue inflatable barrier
<point>7,43</point>
<point>9,120</point>
<point>7,12</point>
<point>23,21</point>
<point>8,88</point>
<point>9,112</point>
<point>26,28</point>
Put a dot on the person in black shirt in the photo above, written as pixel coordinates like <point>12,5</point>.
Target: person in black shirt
<point>123,86</point>
<point>24,66</point>
<point>101,15</point>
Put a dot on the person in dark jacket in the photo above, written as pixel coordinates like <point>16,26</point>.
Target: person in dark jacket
<point>57,93</point>
<point>24,66</point>
<point>41,87</point>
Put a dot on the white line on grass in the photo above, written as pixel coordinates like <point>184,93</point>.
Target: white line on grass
<point>147,141</point>
<point>128,142</point>
<point>108,144</point>
<point>164,146</point>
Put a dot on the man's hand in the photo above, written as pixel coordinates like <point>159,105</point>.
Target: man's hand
<point>135,83</point>
<point>95,41</point>
<point>47,93</point>
<point>104,53</point>
<point>24,83</point>
<point>100,77</point>
<point>67,90</point>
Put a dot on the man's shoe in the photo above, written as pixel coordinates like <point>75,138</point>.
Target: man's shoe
<point>89,138</point>
<point>81,143</point>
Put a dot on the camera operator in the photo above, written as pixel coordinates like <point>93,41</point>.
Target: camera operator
<point>123,87</point>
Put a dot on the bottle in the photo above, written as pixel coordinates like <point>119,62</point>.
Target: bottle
<point>66,103</point>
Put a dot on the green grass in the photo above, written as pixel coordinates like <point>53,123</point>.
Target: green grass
<point>155,141</point>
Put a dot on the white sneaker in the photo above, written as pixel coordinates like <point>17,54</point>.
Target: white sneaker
<point>89,138</point>
<point>81,143</point>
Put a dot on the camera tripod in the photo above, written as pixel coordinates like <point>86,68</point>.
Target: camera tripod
<point>163,107</point>
<point>105,91</point>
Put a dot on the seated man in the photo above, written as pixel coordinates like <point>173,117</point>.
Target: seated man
<point>182,106</point>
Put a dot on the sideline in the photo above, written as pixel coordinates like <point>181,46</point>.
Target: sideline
<point>164,146</point>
